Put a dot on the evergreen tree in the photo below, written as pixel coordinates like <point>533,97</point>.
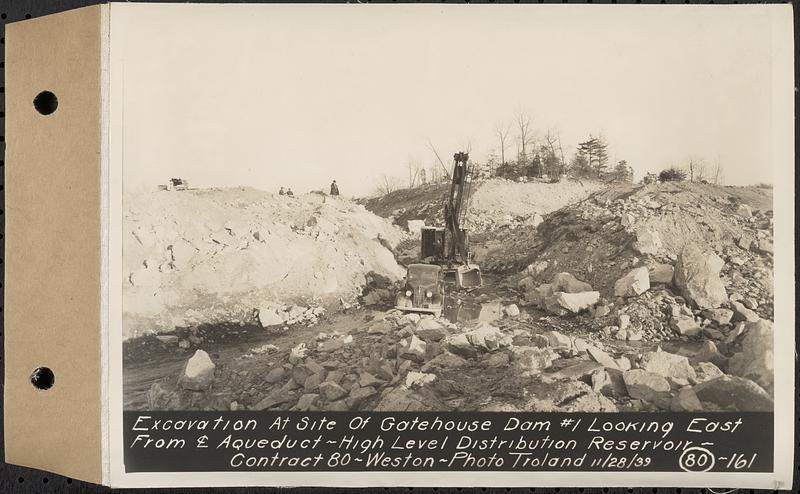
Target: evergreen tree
<point>595,150</point>
<point>623,172</point>
<point>579,167</point>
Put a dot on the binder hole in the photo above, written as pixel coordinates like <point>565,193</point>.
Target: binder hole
<point>45,102</point>
<point>42,378</point>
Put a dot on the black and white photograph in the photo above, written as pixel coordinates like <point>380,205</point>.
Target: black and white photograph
<point>447,212</point>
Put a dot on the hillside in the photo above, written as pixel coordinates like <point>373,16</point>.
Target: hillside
<point>493,203</point>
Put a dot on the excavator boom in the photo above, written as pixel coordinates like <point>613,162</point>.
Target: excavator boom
<point>467,275</point>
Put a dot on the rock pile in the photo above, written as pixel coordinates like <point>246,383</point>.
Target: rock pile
<point>412,363</point>
<point>681,253</point>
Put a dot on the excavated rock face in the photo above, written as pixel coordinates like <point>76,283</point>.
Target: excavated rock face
<point>243,255</point>
<point>697,277</point>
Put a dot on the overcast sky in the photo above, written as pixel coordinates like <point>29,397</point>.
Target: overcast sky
<point>267,96</point>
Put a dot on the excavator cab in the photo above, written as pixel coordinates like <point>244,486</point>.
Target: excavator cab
<point>436,243</point>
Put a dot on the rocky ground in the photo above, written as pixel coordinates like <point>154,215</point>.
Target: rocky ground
<point>638,298</point>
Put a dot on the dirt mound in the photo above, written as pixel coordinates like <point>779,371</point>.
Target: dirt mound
<point>493,203</point>
<point>207,256</point>
<point>425,202</point>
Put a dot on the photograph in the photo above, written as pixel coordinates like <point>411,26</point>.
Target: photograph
<point>433,210</point>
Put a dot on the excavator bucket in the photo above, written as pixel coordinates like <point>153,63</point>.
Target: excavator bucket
<point>469,276</point>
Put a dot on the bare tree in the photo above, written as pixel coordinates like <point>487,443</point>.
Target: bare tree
<point>717,173</point>
<point>561,150</point>
<point>551,140</point>
<point>413,172</point>
<point>697,170</point>
<point>501,131</point>
<point>523,127</point>
<point>387,185</point>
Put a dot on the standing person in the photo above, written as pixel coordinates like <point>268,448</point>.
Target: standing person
<point>289,192</point>
<point>334,189</point>
<point>281,192</point>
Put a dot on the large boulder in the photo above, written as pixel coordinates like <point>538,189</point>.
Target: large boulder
<point>581,370</point>
<point>539,295</point>
<point>332,391</point>
<point>756,361</point>
<point>708,352</point>
<point>544,295</point>
<point>647,386</point>
<point>720,316</point>
<point>270,316</point>
<point>531,360</point>
<point>697,277</point>
<point>707,371</point>
<point>661,273</point>
<point>412,349</point>
<point>573,302</point>
<point>415,226</point>
<point>734,393</point>
<point>511,310</point>
<point>648,242</point>
<point>490,311</point>
<point>444,360</point>
<point>744,211</point>
<point>565,282</point>
<point>601,357</point>
<point>636,282</point>
<point>419,379</point>
<point>487,337</point>
<point>460,345</point>
<point>742,313</point>
<point>401,399</point>
<point>669,365</point>
<point>558,341</point>
<point>685,325</point>
<point>198,373</point>
<point>686,401</point>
